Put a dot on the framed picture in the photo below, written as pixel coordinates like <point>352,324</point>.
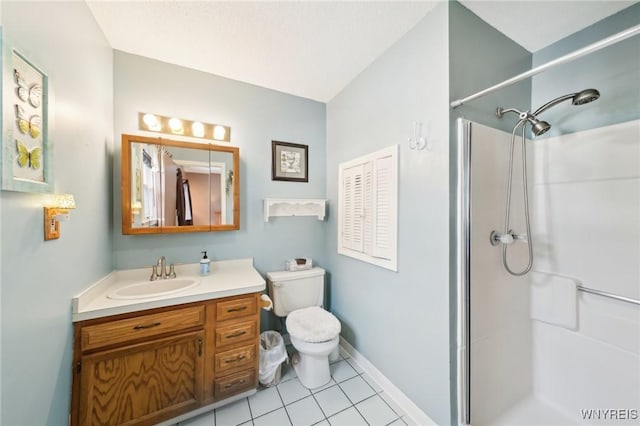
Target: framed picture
<point>289,161</point>
<point>26,153</point>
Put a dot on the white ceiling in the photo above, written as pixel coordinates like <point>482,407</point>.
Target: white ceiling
<point>309,48</point>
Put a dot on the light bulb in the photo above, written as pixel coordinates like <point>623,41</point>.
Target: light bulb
<point>197,128</point>
<point>152,122</point>
<point>219,132</point>
<point>176,125</point>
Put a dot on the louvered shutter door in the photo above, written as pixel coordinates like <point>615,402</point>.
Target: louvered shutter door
<point>352,212</point>
<point>384,199</point>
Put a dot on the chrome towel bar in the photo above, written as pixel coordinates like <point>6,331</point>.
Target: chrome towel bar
<point>609,295</point>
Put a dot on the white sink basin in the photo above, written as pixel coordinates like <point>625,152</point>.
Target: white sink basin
<point>145,289</point>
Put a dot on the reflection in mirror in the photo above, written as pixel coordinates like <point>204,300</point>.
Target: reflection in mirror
<point>170,186</point>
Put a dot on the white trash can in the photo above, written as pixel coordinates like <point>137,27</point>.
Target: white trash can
<point>272,354</point>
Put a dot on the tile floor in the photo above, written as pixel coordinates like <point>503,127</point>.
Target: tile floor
<point>351,398</point>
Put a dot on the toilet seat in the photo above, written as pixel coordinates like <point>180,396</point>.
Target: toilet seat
<point>313,325</point>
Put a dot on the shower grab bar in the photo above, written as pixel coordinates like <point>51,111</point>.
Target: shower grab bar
<point>609,295</point>
<point>623,35</point>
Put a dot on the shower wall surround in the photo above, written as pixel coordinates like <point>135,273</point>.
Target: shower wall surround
<point>587,204</point>
<point>500,327</point>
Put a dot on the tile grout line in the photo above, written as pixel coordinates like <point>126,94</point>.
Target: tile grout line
<point>398,416</point>
<point>361,415</point>
<point>351,406</point>
<point>250,412</point>
<point>354,403</point>
<point>313,395</point>
<point>276,409</point>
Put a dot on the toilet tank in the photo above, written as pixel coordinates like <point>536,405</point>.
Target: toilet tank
<point>291,290</point>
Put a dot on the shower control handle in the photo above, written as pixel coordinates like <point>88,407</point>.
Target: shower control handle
<point>502,238</point>
<point>507,238</point>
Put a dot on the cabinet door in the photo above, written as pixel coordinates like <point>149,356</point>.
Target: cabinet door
<point>143,383</point>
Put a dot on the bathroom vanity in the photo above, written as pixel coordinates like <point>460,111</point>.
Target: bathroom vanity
<point>151,359</point>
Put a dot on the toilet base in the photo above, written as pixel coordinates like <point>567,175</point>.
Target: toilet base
<point>313,368</point>
<point>312,372</point>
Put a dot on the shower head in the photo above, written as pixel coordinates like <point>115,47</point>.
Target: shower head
<point>585,96</point>
<point>579,98</point>
<point>538,127</point>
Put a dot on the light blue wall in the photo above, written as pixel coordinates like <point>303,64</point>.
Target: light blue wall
<point>39,278</point>
<point>256,116</point>
<point>479,57</point>
<point>614,71</point>
<point>400,321</point>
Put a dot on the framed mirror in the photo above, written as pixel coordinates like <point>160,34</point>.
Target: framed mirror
<point>172,186</point>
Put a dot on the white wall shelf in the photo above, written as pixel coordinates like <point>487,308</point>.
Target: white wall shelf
<point>294,207</point>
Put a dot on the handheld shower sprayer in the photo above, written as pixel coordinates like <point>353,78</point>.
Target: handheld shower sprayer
<point>538,127</point>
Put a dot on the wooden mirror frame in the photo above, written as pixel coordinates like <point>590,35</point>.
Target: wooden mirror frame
<point>125,186</point>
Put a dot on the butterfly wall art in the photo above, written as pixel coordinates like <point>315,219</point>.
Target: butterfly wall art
<point>29,168</point>
<point>28,157</point>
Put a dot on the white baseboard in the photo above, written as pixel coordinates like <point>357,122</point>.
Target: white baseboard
<point>405,404</point>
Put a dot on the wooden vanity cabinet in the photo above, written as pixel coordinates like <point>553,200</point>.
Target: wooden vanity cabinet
<point>145,367</point>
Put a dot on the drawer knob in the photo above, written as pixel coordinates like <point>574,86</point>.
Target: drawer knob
<point>145,326</point>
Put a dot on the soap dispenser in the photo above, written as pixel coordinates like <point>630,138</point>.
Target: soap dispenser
<point>204,264</point>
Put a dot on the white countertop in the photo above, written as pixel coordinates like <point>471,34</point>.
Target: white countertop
<point>227,278</point>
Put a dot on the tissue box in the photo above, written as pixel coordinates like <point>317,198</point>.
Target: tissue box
<point>298,264</point>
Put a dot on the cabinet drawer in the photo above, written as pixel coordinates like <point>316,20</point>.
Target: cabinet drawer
<point>234,383</point>
<point>236,308</point>
<point>228,335</point>
<point>243,356</point>
<point>121,331</point>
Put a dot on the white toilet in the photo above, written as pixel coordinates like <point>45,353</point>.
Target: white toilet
<point>314,332</point>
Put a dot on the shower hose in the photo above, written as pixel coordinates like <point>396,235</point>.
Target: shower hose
<point>525,192</point>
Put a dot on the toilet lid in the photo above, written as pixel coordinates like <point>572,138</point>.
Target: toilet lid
<point>313,325</point>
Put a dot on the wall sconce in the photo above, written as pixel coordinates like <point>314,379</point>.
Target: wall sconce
<point>180,126</point>
<point>56,211</point>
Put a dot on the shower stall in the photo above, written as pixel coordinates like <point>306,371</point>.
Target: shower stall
<point>559,344</point>
<point>548,249</point>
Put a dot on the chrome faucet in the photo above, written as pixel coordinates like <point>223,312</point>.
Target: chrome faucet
<point>159,270</point>
<point>162,265</point>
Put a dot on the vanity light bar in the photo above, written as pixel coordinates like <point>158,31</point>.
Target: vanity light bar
<point>182,127</point>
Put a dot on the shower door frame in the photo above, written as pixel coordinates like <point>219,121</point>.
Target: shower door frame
<point>463,270</point>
